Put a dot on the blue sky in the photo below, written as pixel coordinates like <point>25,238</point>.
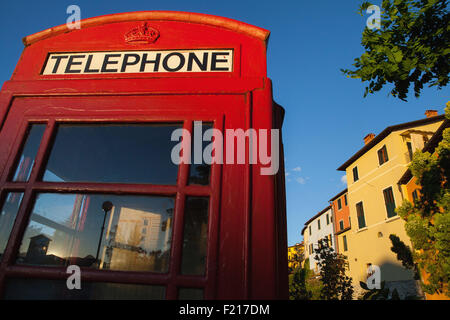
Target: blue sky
<point>326,114</point>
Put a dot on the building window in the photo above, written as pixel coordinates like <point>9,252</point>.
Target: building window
<point>318,224</point>
<point>341,225</point>
<point>344,239</point>
<point>389,201</point>
<point>339,204</point>
<point>310,233</point>
<point>355,174</point>
<point>360,214</point>
<point>330,240</point>
<point>328,219</point>
<point>382,155</point>
<point>345,200</point>
<point>410,151</point>
<point>415,195</point>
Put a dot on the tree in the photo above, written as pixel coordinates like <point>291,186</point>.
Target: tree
<point>303,284</point>
<point>411,47</point>
<point>428,218</point>
<point>298,287</point>
<point>336,285</point>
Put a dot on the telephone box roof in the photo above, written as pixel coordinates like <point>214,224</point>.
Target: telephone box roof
<point>200,18</point>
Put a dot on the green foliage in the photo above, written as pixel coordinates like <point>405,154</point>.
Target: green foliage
<point>428,219</point>
<point>335,284</point>
<point>303,284</point>
<point>314,285</point>
<point>297,285</point>
<point>411,48</point>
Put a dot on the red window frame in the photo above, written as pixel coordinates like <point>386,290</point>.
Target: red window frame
<point>116,109</point>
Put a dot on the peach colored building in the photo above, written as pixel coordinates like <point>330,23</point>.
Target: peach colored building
<point>341,220</point>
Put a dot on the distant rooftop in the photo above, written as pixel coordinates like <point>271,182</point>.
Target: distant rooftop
<point>385,133</point>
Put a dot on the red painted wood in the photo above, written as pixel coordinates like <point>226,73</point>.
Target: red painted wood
<point>247,225</point>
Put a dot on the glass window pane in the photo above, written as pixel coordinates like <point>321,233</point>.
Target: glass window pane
<point>199,172</point>
<point>8,215</point>
<point>125,153</point>
<point>38,289</point>
<point>190,294</point>
<point>29,151</point>
<point>81,229</point>
<point>195,236</point>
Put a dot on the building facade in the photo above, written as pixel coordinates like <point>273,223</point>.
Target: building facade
<point>317,228</point>
<point>341,221</point>
<point>373,194</point>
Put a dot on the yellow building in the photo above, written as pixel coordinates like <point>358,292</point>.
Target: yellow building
<point>296,255</point>
<point>372,176</point>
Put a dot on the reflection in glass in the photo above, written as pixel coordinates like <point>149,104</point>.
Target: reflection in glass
<point>199,173</point>
<point>195,236</point>
<point>8,215</point>
<point>38,289</point>
<point>133,153</point>
<point>79,229</point>
<point>29,151</point>
<point>190,294</point>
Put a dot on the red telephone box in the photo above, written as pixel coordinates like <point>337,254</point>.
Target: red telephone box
<point>86,177</point>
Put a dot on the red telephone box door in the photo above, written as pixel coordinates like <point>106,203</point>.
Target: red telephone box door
<point>88,181</point>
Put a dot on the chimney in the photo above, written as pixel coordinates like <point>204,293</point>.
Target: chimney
<point>368,138</point>
<point>431,113</point>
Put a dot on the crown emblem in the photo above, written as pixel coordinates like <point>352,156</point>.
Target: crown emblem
<point>142,34</point>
